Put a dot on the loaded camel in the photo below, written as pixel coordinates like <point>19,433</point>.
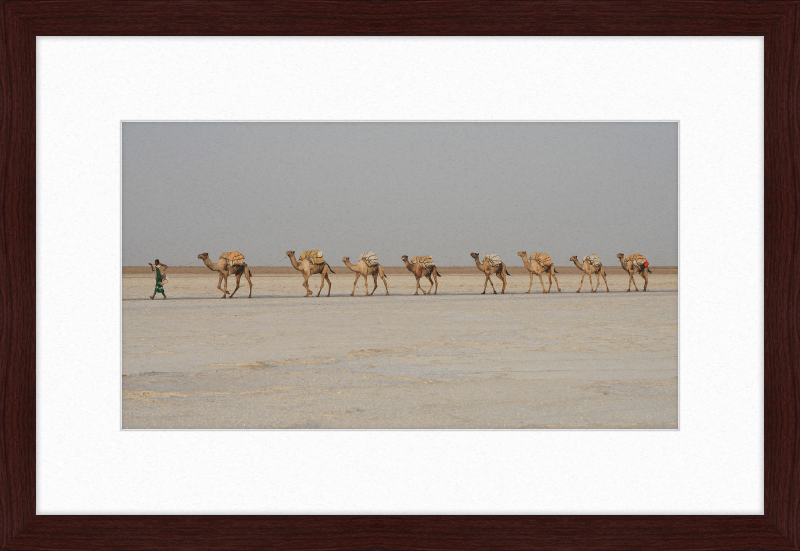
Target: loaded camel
<point>421,271</point>
<point>363,269</point>
<point>308,268</point>
<point>535,268</point>
<point>587,268</point>
<point>500,271</point>
<point>226,270</point>
<point>635,264</point>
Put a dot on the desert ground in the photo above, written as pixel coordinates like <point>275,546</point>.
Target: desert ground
<point>457,360</point>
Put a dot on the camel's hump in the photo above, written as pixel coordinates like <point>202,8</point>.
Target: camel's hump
<point>593,259</point>
<point>636,258</point>
<point>233,257</point>
<point>426,261</point>
<point>543,259</point>
<point>493,259</point>
<point>314,256</point>
<point>370,258</point>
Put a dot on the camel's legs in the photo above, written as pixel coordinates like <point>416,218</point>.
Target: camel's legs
<point>603,273</point>
<point>247,276</point>
<point>634,283</point>
<point>418,289</point>
<point>238,277</point>
<point>489,279</point>
<point>549,281</point>
<point>583,274</point>
<point>428,277</point>
<point>379,272</point>
<point>329,282</point>
<point>531,285</point>
<point>305,283</point>
<point>502,277</point>
<point>436,281</point>
<point>644,275</point>
<point>366,286</point>
<point>322,282</point>
<point>554,277</point>
<point>541,281</point>
<point>383,277</point>
<point>375,281</point>
<point>219,286</point>
<point>354,284</point>
<point>597,282</point>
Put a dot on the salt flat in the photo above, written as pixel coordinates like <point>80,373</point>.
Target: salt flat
<point>456,360</point>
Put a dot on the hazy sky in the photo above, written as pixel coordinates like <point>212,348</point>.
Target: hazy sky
<point>441,188</point>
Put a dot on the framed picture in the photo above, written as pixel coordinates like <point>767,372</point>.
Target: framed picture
<point>29,58</point>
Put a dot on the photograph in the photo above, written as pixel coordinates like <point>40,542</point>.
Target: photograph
<point>400,275</point>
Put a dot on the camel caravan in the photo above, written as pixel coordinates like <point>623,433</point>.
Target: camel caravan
<point>313,262</point>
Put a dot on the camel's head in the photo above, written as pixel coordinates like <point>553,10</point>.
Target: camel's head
<point>345,259</point>
<point>202,256</point>
<point>474,255</point>
<point>523,254</point>
<point>620,255</point>
<point>289,253</point>
<point>573,258</point>
<point>404,258</point>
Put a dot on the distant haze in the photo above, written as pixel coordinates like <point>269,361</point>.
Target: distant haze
<point>441,188</point>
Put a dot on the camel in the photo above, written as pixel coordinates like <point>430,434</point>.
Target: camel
<point>632,268</point>
<point>363,269</point>
<point>535,268</point>
<point>308,269</point>
<point>225,270</point>
<point>500,271</point>
<point>587,268</point>
<point>421,271</point>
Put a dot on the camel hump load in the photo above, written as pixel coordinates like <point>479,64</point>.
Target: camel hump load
<point>233,258</point>
<point>426,261</point>
<point>314,256</point>
<point>543,259</point>
<point>492,259</point>
<point>593,259</point>
<point>370,258</point>
<point>637,259</point>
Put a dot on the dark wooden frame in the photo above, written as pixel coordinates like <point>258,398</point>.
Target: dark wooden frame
<point>777,21</point>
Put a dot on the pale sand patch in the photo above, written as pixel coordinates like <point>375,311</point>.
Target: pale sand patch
<point>456,360</point>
